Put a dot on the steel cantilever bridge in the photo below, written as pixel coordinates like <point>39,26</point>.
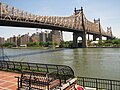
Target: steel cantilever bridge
<point>76,23</point>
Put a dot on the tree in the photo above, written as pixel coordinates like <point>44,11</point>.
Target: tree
<point>9,45</point>
<point>33,44</point>
<point>67,44</point>
<point>41,44</point>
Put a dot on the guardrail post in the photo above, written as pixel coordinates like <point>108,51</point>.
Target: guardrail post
<point>3,53</point>
<point>18,84</point>
<point>30,82</point>
<point>21,65</point>
<point>21,80</point>
<point>37,67</point>
<point>7,65</point>
<point>64,76</point>
<point>47,69</point>
<point>28,66</point>
<point>83,82</point>
<point>96,85</point>
<point>18,88</point>
<point>110,85</point>
<point>14,66</point>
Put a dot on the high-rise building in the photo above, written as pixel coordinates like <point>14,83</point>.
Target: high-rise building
<point>15,40</point>
<point>55,36</point>
<point>2,40</point>
<point>10,40</point>
<point>43,36</point>
<point>24,39</point>
<point>18,41</point>
<point>50,37</point>
<point>35,37</point>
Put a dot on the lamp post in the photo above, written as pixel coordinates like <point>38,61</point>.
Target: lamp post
<point>2,52</point>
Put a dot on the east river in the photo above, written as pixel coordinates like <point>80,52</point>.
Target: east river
<point>90,62</point>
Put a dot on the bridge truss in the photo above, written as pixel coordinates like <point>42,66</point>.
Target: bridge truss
<point>74,22</point>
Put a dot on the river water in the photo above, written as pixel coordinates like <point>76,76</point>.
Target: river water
<point>90,62</point>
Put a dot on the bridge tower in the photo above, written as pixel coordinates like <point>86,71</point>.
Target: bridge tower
<point>100,32</point>
<point>82,34</point>
<point>109,30</point>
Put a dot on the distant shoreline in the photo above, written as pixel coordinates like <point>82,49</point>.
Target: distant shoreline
<point>57,48</point>
<point>104,47</point>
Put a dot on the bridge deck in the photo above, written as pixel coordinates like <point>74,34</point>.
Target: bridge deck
<point>11,16</point>
<point>8,80</point>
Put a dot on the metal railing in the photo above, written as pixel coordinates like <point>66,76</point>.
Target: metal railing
<point>35,67</point>
<point>61,73</point>
<point>99,84</point>
<point>2,55</point>
<point>38,76</point>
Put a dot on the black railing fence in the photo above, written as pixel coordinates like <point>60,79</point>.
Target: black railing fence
<point>36,76</point>
<point>99,84</point>
<point>3,56</point>
<point>39,76</point>
<point>55,75</point>
<point>1,53</point>
<point>35,67</point>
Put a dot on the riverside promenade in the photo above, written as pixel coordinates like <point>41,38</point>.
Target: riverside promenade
<point>8,80</point>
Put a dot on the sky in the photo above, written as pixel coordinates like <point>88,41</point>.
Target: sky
<point>107,10</point>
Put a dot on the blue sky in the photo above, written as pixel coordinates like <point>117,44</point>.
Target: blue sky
<point>107,10</point>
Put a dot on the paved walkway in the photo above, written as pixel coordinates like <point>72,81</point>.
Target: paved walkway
<point>8,80</point>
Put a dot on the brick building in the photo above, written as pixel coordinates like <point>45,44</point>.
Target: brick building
<point>34,37</point>
<point>55,36</point>
<point>24,39</point>
<point>43,37</point>
<point>2,40</point>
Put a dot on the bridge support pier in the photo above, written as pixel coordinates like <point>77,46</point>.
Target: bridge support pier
<point>97,36</point>
<point>75,37</point>
<point>109,38</point>
<point>84,40</point>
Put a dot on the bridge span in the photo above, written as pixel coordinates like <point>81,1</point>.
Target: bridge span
<point>76,23</point>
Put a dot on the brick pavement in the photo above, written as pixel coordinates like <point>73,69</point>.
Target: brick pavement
<point>8,80</point>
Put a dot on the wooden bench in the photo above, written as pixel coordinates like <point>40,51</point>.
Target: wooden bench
<point>37,80</point>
